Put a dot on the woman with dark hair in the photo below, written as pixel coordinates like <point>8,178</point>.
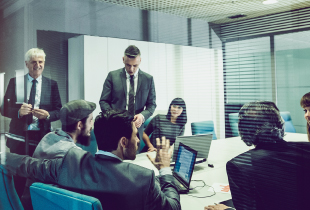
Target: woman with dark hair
<point>305,104</point>
<point>170,125</point>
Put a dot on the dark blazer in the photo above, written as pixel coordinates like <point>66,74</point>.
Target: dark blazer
<point>115,91</point>
<point>116,184</point>
<point>271,176</point>
<point>50,101</point>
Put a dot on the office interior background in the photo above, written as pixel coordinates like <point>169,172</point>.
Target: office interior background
<point>215,54</point>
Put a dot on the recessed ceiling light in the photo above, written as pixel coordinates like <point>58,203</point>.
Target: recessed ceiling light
<point>270,1</point>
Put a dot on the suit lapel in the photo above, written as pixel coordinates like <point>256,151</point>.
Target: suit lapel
<point>123,78</point>
<point>44,87</point>
<point>140,79</point>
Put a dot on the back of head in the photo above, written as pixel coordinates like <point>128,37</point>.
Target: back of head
<point>182,119</point>
<point>34,52</point>
<point>110,127</point>
<point>132,51</point>
<point>260,122</point>
<point>305,102</point>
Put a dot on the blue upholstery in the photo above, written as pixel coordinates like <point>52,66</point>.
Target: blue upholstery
<point>93,147</point>
<point>48,197</point>
<point>203,127</point>
<point>289,127</point>
<point>9,199</point>
<point>234,117</point>
<point>233,122</point>
<point>142,144</point>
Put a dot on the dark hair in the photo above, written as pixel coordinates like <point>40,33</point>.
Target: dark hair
<point>182,119</point>
<point>304,102</point>
<point>132,51</point>
<point>71,128</point>
<point>260,121</point>
<point>110,127</point>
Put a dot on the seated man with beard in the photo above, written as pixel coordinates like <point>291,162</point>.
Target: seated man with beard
<point>77,121</point>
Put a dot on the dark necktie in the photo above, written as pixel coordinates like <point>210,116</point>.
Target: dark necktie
<point>32,99</point>
<point>131,104</point>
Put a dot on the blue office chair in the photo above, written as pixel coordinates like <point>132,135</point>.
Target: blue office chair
<point>9,199</point>
<point>49,197</point>
<point>233,122</point>
<point>203,127</point>
<point>142,144</point>
<point>289,127</point>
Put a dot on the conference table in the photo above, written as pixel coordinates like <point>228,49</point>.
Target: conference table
<point>221,151</point>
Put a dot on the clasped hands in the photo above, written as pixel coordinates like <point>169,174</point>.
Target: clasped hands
<point>26,109</point>
<point>163,154</point>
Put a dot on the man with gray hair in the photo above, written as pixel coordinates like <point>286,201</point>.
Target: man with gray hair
<point>130,89</point>
<point>41,103</point>
<point>273,175</point>
<point>40,107</point>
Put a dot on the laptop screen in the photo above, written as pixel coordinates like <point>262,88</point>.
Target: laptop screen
<point>185,163</point>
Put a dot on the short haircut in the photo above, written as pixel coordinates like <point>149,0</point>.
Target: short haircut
<point>34,52</point>
<point>110,127</point>
<point>132,51</point>
<point>260,121</point>
<point>182,119</point>
<point>71,128</point>
<point>304,102</point>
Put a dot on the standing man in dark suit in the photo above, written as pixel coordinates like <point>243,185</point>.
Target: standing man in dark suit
<point>41,107</point>
<point>130,89</point>
<point>41,103</point>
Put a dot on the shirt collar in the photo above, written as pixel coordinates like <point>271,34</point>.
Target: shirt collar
<point>128,75</point>
<point>100,152</point>
<point>39,79</point>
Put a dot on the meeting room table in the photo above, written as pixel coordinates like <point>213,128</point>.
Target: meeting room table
<point>221,151</point>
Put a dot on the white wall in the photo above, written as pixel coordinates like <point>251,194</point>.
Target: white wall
<point>192,73</point>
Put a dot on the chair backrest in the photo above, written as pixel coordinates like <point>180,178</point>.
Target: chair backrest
<point>233,122</point>
<point>49,197</point>
<point>289,127</point>
<point>9,199</point>
<point>203,127</point>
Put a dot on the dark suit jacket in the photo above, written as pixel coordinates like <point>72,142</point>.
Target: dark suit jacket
<point>50,101</point>
<point>115,91</point>
<point>116,184</point>
<point>271,176</point>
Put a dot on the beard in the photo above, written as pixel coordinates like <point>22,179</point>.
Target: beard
<point>83,139</point>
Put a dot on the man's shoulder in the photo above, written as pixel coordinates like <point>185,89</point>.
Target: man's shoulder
<point>117,71</point>
<point>46,79</point>
<point>147,75</point>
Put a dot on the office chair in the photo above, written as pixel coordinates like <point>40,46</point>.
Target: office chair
<point>49,197</point>
<point>233,122</point>
<point>9,199</point>
<point>203,127</point>
<point>289,127</point>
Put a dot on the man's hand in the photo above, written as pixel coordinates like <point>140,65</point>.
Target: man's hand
<point>151,149</point>
<point>216,207</point>
<point>138,119</point>
<point>40,113</point>
<point>162,159</point>
<point>25,109</point>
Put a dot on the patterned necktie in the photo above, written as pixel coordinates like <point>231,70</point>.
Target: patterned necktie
<point>32,99</point>
<point>131,104</point>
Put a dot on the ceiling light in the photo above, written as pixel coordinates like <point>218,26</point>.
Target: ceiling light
<point>270,1</point>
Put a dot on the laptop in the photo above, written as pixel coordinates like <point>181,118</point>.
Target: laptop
<point>200,143</point>
<point>184,167</point>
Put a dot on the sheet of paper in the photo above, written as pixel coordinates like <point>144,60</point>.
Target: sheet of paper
<point>220,187</point>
